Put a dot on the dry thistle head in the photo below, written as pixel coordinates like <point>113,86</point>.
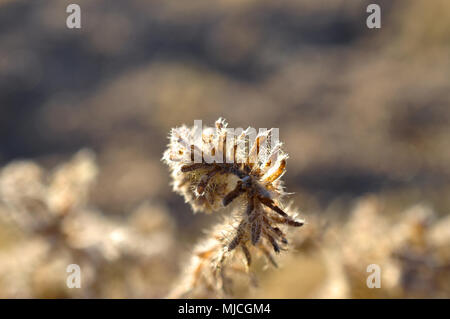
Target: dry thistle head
<point>214,167</point>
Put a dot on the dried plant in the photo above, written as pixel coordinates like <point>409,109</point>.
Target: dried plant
<point>55,226</point>
<point>412,250</point>
<point>248,174</point>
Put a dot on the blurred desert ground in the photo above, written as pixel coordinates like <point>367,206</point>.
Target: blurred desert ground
<point>85,114</point>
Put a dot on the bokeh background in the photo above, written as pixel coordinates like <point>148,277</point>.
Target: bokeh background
<point>85,114</point>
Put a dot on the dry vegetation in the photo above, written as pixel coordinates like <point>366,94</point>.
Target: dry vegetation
<point>223,168</point>
<point>364,115</point>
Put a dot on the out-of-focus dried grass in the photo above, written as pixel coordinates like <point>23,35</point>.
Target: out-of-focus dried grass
<point>54,226</point>
<point>47,224</point>
<point>414,259</point>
